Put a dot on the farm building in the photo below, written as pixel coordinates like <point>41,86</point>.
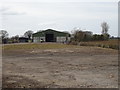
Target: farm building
<point>23,39</point>
<point>50,35</point>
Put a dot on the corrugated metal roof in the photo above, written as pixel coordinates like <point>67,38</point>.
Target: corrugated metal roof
<point>49,31</point>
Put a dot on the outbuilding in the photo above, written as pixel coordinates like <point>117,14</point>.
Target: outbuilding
<point>50,35</point>
<point>23,39</point>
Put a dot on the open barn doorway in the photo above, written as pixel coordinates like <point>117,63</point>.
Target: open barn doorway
<point>49,37</point>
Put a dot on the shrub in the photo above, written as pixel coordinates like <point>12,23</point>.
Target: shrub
<point>74,43</point>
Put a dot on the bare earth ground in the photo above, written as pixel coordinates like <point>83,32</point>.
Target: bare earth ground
<point>84,67</point>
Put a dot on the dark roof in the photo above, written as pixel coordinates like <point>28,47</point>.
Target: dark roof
<point>23,38</point>
<point>49,31</point>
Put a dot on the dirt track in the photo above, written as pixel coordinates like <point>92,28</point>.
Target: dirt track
<point>85,67</point>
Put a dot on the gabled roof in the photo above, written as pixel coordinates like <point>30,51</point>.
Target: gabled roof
<point>49,31</point>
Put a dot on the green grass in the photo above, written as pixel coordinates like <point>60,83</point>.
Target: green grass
<point>36,46</point>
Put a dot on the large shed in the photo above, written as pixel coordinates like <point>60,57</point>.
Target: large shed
<point>23,39</point>
<point>50,35</point>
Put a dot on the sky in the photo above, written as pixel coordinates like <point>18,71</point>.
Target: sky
<point>19,16</point>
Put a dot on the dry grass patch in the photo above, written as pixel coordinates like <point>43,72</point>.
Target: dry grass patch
<point>114,44</point>
<point>36,46</point>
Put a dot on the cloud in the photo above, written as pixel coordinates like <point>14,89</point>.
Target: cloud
<point>59,0</point>
<point>13,13</point>
<point>2,9</point>
<point>61,16</point>
<point>10,11</point>
<point>47,23</point>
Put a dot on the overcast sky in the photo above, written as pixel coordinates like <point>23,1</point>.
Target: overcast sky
<point>19,16</point>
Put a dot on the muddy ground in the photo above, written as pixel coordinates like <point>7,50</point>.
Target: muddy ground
<point>84,67</point>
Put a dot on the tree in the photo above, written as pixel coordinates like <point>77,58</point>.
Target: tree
<point>3,34</point>
<point>106,36</point>
<point>15,39</point>
<point>79,35</point>
<point>105,28</point>
<point>28,34</point>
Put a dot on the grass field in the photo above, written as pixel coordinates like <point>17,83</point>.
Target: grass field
<point>37,46</point>
<point>114,44</point>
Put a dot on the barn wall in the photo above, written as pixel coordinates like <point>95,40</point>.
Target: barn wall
<point>60,39</point>
<point>37,39</point>
<point>58,36</point>
<point>43,38</point>
<point>69,38</point>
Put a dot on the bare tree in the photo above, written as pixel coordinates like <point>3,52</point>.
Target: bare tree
<point>3,34</point>
<point>105,28</point>
<point>15,39</point>
<point>28,34</point>
<point>78,34</point>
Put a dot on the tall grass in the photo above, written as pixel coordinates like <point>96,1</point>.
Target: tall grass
<point>114,44</point>
<point>30,46</point>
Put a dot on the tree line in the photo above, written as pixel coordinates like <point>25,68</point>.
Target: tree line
<point>14,39</point>
<point>79,35</point>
